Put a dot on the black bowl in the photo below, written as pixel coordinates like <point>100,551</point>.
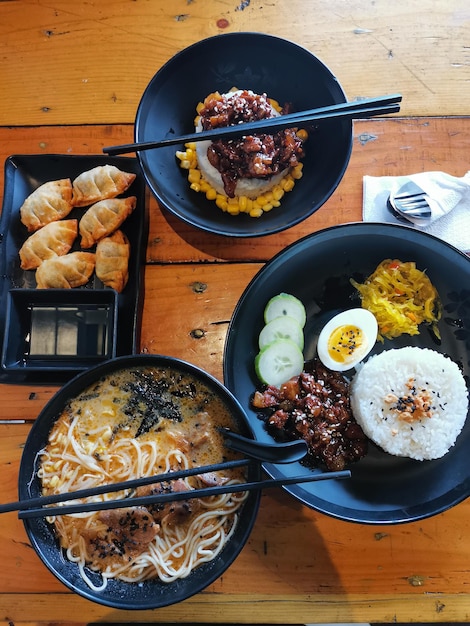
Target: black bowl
<point>265,64</point>
<point>118,594</point>
<point>383,489</point>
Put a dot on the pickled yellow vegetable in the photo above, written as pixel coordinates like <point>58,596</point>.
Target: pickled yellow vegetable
<point>401,297</point>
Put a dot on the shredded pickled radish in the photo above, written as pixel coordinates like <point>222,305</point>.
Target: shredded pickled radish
<point>401,297</point>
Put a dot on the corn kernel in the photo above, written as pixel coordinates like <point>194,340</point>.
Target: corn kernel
<point>108,409</point>
<point>297,172</point>
<point>181,155</point>
<point>288,183</point>
<point>221,202</point>
<point>302,134</point>
<point>267,207</point>
<point>185,164</point>
<point>278,192</point>
<point>261,200</point>
<point>211,194</point>
<point>256,212</point>
<point>194,175</point>
<point>242,201</point>
<point>233,209</point>
<point>195,186</point>
<point>204,185</point>
<point>276,203</point>
<point>191,145</point>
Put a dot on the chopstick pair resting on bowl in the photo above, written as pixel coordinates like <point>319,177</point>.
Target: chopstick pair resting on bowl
<point>368,107</point>
<point>281,453</point>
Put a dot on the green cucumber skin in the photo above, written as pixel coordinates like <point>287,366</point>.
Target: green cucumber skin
<point>285,304</point>
<point>284,327</point>
<point>282,355</point>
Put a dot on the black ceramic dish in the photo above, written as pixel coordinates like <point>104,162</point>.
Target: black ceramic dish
<point>23,174</point>
<point>121,595</point>
<point>265,64</point>
<point>383,489</point>
<point>51,330</point>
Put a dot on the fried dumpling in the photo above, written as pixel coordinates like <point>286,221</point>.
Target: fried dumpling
<point>103,218</point>
<point>64,272</point>
<point>50,202</point>
<point>54,239</point>
<point>100,183</point>
<point>112,260</point>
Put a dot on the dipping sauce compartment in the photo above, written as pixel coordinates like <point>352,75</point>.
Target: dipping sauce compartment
<point>57,329</point>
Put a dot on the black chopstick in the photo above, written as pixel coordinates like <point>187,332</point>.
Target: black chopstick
<point>87,507</point>
<point>128,484</point>
<point>358,109</point>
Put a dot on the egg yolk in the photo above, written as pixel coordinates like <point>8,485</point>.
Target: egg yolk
<point>344,341</point>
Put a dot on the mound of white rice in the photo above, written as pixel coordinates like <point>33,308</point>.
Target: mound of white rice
<point>412,402</point>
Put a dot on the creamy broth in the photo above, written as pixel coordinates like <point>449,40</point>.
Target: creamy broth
<point>132,423</point>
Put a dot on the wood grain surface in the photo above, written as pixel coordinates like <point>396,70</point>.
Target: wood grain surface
<point>89,62</point>
<point>72,77</point>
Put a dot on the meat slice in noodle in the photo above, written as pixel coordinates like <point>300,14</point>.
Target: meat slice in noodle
<point>122,536</point>
<point>170,513</point>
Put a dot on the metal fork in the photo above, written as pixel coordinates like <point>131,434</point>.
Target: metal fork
<point>411,202</point>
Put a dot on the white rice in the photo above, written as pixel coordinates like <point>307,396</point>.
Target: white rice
<point>412,402</point>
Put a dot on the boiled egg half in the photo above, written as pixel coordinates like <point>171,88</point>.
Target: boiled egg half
<point>347,339</point>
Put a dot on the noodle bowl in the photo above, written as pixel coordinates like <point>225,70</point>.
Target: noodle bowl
<point>131,423</point>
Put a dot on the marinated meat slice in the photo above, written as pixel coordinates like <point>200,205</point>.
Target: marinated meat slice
<point>315,406</point>
<point>124,534</point>
<point>201,434</point>
<point>212,479</point>
<point>169,513</point>
<point>252,156</point>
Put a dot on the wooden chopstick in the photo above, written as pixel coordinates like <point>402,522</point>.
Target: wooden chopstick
<point>357,109</point>
<point>86,507</point>
<point>42,501</point>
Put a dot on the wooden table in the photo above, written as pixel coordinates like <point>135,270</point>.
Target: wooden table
<point>72,76</point>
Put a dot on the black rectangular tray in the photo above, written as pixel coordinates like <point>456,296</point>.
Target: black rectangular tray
<point>23,174</point>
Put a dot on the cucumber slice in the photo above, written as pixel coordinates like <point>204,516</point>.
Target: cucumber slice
<point>278,362</point>
<point>283,327</point>
<point>285,304</point>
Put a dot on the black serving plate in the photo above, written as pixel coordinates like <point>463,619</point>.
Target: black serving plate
<point>20,300</point>
<point>50,330</point>
<point>149,594</point>
<point>383,489</point>
<point>263,63</point>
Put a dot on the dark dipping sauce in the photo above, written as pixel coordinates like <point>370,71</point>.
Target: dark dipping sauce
<point>248,156</point>
<point>314,406</point>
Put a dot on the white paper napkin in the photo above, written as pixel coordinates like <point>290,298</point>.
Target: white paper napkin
<point>450,206</point>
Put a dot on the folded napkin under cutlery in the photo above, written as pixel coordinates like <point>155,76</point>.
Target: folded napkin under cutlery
<point>449,199</point>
